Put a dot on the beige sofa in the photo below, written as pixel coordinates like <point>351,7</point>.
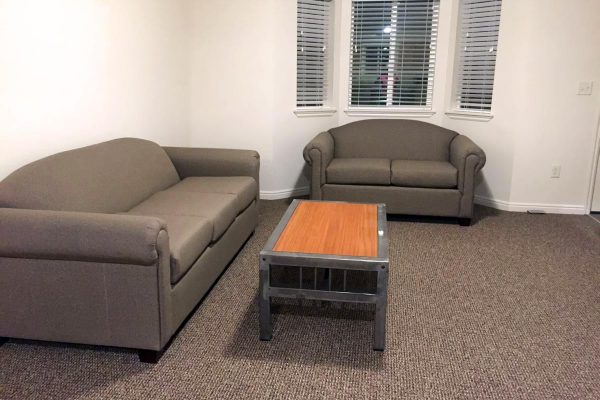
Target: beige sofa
<point>115,244</point>
<point>413,167</point>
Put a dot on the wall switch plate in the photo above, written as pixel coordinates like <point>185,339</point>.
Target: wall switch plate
<point>585,88</point>
<point>555,171</point>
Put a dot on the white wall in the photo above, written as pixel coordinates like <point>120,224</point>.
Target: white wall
<point>595,190</point>
<point>496,136</point>
<point>244,86</point>
<point>555,125</point>
<point>76,72</point>
<point>222,74</point>
<point>243,73</point>
<point>539,120</point>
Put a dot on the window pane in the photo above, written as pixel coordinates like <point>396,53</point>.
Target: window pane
<point>312,52</point>
<point>479,22</point>
<point>393,52</point>
<point>370,53</point>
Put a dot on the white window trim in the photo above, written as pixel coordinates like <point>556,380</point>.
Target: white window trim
<point>305,112</point>
<point>324,109</point>
<point>399,112</point>
<point>454,111</point>
<point>469,115</point>
<point>424,111</point>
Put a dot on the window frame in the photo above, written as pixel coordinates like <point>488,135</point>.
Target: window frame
<point>327,107</point>
<point>390,110</point>
<point>455,111</point>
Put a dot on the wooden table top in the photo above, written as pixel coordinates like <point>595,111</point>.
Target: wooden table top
<point>321,227</point>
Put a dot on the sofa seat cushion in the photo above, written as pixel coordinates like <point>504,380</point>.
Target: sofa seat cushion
<point>425,174</point>
<point>188,238</point>
<point>244,188</point>
<point>220,209</point>
<point>359,171</point>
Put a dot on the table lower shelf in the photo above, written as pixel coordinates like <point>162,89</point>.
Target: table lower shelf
<point>377,296</point>
<point>325,295</point>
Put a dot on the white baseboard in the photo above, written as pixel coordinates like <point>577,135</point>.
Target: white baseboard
<point>484,201</point>
<point>284,194</point>
<point>523,207</point>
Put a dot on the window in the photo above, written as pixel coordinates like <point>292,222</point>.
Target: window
<point>313,53</point>
<point>392,56</point>
<point>477,41</point>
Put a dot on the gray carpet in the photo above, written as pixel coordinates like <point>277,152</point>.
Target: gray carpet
<point>508,308</point>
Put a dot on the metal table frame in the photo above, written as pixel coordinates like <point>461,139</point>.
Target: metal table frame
<point>379,264</point>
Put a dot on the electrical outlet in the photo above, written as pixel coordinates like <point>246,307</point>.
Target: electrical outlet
<point>555,171</point>
<point>585,88</point>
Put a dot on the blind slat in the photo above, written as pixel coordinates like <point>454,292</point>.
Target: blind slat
<point>312,54</point>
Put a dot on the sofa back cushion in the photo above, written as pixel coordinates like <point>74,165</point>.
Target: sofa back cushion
<point>107,177</point>
<point>392,139</point>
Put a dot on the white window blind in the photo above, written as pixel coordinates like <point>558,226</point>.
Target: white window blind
<point>393,47</point>
<point>313,53</point>
<point>479,22</point>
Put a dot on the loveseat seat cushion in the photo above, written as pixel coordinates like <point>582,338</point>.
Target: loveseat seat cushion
<point>244,188</point>
<point>359,171</point>
<point>219,208</point>
<point>425,174</point>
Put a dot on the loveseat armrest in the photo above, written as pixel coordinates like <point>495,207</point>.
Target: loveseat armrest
<point>79,236</point>
<point>194,161</point>
<point>318,153</point>
<point>468,159</point>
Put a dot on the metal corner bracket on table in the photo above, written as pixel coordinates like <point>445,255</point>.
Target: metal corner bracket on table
<point>379,264</point>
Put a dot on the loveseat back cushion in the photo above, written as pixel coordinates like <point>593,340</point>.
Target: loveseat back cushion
<point>392,139</point>
<point>107,177</point>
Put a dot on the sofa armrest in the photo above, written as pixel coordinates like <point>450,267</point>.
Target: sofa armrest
<point>78,236</point>
<point>318,154</point>
<point>468,159</point>
<point>193,161</point>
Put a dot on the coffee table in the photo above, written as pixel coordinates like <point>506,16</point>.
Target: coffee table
<point>319,241</point>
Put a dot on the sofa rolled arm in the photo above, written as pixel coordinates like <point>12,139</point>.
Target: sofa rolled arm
<point>79,236</point>
<point>467,158</point>
<point>194,161</point>
<point>318,153</point>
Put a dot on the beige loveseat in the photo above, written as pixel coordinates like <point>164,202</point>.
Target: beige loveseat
<point>115,244</point>
<point>413,167</point>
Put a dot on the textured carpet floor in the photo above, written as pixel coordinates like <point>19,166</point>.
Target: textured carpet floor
<point>508,308</point>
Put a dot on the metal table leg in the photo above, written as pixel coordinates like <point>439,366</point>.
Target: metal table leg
<point>266,328</point>
<point>380,308</point>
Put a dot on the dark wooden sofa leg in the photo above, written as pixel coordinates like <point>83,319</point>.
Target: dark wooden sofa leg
<point>464,221</point>
<point>150,356</point>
